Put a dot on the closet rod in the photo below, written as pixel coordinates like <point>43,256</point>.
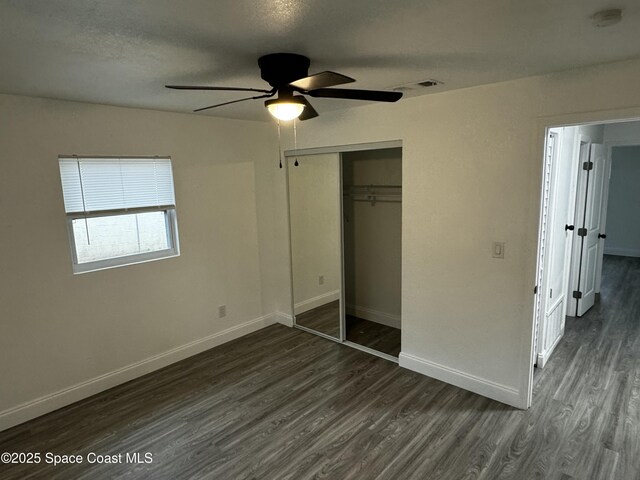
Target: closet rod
<point>373,186</point>
<point>374,194</point>
<point>375,200</point>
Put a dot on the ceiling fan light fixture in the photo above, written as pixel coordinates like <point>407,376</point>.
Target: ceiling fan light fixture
<point>285,108</point>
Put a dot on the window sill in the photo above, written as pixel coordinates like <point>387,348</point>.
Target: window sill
<point>123,261</point>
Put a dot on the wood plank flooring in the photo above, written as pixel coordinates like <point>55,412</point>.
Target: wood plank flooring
<point>326,319</point>
<point>285,404</point>
<point>374,335</point>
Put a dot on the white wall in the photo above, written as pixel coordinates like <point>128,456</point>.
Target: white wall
<point>623,209</point>
<point>622,133</point>
<point>373,238</point>
<point>595,133</point>
<point>314,190</point>
<point>72,335</point>
<point>472,175</point>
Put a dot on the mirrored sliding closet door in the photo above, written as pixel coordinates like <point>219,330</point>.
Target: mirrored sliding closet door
<point>315,219</point>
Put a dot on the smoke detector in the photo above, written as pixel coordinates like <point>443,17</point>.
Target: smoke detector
<point>606,18</point>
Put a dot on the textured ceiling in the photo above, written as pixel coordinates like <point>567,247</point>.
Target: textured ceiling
<point>123,52</point>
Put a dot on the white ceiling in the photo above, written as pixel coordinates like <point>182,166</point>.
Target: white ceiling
<point>123,52</point>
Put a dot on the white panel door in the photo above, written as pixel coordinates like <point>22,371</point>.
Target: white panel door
<point>589,221</point>
<point>550,153</point>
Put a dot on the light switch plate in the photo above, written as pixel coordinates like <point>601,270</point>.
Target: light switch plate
<point>498,250</point>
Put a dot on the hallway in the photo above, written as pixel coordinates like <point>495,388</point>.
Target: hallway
<point>592,380</point>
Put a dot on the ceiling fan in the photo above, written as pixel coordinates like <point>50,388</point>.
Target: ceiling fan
<point>288,74</point>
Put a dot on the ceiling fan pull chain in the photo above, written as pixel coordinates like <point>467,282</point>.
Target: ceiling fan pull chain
<point>84,206</point>
<point>295,141</point>
<point>279,145</point>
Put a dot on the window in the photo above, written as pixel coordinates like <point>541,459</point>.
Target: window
<point>119,210</point>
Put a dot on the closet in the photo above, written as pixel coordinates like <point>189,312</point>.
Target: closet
<point>372,230</point>
<point>346,234</point>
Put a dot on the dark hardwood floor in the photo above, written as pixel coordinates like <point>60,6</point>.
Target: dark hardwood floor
<point>285,404</point>
<point>324,319</point>
<point>374,335</point>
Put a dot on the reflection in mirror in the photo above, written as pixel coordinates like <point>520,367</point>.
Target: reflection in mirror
<point>314,199</point>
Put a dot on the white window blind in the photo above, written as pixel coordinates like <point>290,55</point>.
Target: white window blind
<point>99,184</point>
<point>120,211</point>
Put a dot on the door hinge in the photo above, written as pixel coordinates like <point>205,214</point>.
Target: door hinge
<point>587,166</point>
<point>577,294</point>
<point>602,235</point>
<point>535,289</point>
<point>582,232</point>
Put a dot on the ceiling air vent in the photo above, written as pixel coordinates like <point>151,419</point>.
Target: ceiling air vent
<point>429,83</point>
<point>415,86</point>
<point>606,18</point>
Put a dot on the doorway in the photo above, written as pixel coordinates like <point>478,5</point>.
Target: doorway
<point>576,214</point>
<point>372,239</point>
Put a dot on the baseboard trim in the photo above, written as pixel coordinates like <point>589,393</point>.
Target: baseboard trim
<point>66,396</point>
<point>372,315</point>
<point>543,357</point>
<point>486,388</point>
<point>315,302</point>
<point>283,318</point>
<point>622,252</point>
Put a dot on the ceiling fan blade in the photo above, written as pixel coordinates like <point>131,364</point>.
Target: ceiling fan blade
<point>309,111</point>
<point>229,89</point>
<point>321,80</point>
<point>234,101</point>
<point>351,94</point>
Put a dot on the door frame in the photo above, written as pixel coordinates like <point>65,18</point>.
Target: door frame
<point>543,124</point>
<point>339,150</point>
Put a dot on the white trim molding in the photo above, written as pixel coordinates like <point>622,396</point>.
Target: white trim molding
<point>543,357</point>
<point>53,401</point>
<point>283,319</point>
<point>355,147</point>
<point>481,386</point>
<point>315,302</point>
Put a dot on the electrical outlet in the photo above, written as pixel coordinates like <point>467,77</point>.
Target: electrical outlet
<point>222,311</point>
<point>321,280</point>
